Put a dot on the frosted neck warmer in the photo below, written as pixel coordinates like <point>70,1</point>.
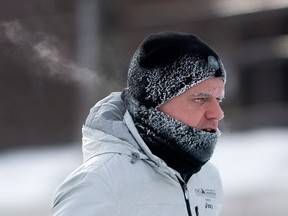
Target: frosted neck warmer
<point>183,148</point>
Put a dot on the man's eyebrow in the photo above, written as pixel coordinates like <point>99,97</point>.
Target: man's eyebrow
<point>202,94</point>
<point>206,94</point>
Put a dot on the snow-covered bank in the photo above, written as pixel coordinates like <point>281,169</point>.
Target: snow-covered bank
<point>255,161</point>
<point>250,163</point>
<point>29,177</point>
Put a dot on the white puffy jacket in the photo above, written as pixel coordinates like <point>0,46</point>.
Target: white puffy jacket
<point>121,177</point>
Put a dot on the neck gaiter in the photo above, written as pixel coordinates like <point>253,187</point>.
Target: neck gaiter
<point>183,148</point>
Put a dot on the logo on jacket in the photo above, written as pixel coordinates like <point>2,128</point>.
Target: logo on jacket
<point>209,193</point>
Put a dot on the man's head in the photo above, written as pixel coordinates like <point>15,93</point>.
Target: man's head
<point>175,84</point>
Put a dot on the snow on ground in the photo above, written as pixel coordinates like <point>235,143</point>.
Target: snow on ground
<point>29,178</point>
<point>253,166</point>
<point>251,161</point>
<point>254,171</point>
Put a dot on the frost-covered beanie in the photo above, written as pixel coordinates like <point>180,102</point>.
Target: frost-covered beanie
<point>168,63</point>
<point>165,65</point>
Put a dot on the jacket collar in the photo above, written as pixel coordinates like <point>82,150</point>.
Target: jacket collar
<point>161,166</point>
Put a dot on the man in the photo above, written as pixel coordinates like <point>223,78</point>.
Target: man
<point>146,150</point>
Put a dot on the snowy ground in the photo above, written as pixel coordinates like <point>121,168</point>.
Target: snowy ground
<point>253,166</point>
<point>254,170</point>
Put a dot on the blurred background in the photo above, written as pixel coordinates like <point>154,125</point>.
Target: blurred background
<point>59,57</point>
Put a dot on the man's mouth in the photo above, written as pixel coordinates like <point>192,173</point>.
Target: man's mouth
<point>210,130</point>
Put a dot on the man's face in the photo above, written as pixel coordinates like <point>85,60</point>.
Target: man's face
<point>198,106</point>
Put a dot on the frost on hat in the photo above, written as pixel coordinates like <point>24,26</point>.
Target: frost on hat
<point>168,63</point>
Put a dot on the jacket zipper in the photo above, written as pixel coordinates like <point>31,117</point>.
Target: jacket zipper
<point>186,196</point>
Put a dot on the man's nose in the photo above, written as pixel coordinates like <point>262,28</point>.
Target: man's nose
<point>214,111</point>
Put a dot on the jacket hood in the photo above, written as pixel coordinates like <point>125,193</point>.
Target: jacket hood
<point>105,124</point>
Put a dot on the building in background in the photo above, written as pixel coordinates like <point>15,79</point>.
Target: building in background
<point>58,57</point>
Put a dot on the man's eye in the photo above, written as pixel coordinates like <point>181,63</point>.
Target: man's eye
<point>200,100</point>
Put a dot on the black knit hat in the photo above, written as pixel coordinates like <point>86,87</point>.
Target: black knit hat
<point>168,63</point>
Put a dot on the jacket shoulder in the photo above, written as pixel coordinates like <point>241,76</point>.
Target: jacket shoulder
<point>75,195</point>
<point>100,185</point>
<point>209,170</point>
